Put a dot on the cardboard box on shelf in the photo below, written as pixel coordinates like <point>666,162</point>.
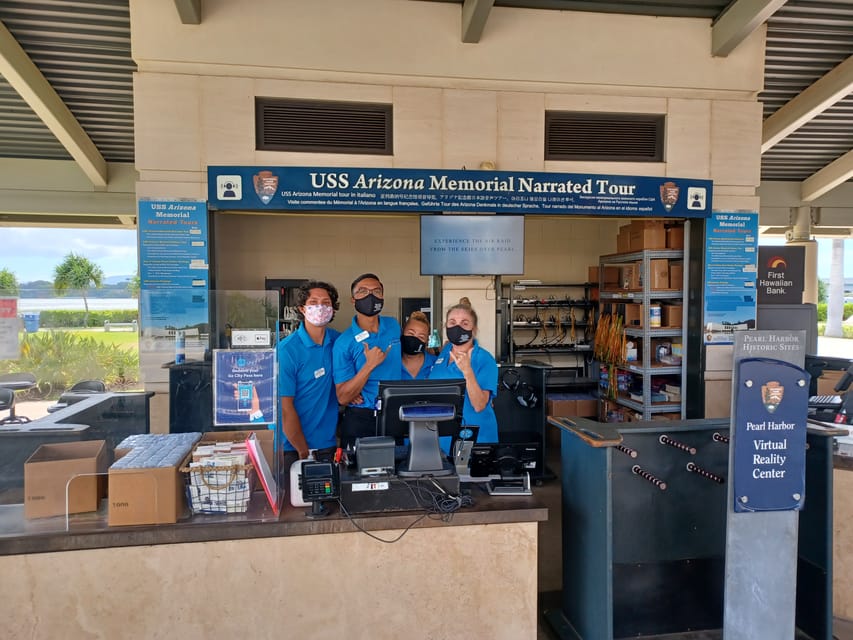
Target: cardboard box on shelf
<point>676,275</point>
<point>632,276</point>
<point>647,234</point>
<point>611,275</point>
<point>571,405</point>
<point>659,275</point>
<point>671,315</point>
<point>633,315</point>
<point>675,237</point>
<point>623,239</point>
<point>48,471</point>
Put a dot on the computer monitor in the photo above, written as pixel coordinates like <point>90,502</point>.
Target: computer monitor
<point>421,410</point>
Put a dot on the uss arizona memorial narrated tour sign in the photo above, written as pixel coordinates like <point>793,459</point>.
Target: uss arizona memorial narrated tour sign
<point>441,191</point>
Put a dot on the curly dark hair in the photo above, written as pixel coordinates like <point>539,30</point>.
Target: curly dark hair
<point>304,293</point>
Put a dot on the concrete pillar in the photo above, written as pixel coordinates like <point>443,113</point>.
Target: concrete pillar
<point>835,305</point>
<point>800,234</point>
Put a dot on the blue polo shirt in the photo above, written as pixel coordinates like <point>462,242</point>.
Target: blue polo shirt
<point>423,374</point>
<point>486,371</point>
<point>305,374</point>
<point>348,356</point>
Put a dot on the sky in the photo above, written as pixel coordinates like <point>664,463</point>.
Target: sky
<point>32,253</point>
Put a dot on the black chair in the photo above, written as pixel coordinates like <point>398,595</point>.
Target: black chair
<point>7,403</point>
<point>12,382</point>
<point>78,391</point>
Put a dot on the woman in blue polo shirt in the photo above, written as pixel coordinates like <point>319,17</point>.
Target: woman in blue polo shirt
<point>417,361</point>
<point>463,357</point>
<point>309,406</point>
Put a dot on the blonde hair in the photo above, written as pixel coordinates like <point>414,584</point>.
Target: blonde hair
<point>418,316</point>
<point>464,304</point>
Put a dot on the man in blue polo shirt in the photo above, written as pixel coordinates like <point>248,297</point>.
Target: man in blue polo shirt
<point>367,352</point>
<point>309,406</point>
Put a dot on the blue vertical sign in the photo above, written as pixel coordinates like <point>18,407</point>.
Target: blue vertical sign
<point>244,389</point>
<point>770,433</point>
<point>173,273</point>
<point>731,242</point>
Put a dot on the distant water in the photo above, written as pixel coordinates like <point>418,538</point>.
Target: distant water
<point>28,305</point>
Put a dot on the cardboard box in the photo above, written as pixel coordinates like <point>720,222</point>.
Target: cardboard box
<point>671,315</point>
<point>561,406</point>
<point>676,275</point>
<point>675,237</point>
<point>827,381</point>
<point>146,496</point>
<point>623,239</point>
<point>50,468</point>
<point>647,234</point>
<point>659,275</point>
<point>571,405</point>
<point>633,315</point>
<point>632,276</point>
<point>611,275</point>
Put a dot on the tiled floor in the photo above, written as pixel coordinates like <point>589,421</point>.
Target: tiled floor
<point>550,560</point>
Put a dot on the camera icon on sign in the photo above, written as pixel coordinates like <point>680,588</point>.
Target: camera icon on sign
<point>229,188</point>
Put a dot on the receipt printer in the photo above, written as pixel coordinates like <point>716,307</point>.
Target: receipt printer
<point>375,455</point>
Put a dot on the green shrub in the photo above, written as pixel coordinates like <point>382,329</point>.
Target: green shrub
<point>58,359</point>
<point>69,319</point>
<point>846,313</point>
<point>846,330</point>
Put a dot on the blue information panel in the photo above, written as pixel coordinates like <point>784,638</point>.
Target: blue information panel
<point>437,191</point>
<point>770,435</point>
<point>731,241</point>
<point>173,274</point>
<point>244,387</point>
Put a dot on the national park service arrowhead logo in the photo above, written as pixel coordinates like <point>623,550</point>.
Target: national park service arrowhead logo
<point>771,395</point>
<point>669,195</point>
<point>266,185</point>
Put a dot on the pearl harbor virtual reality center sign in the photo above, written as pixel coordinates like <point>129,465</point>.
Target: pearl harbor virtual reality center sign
<point>451,191</point>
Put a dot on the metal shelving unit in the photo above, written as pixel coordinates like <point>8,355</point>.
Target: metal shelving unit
<point>647,366</point>
<point>552,319</point>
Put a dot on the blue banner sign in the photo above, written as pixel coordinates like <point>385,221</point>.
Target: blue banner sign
<point>244,387</point>
<point>770,433</point>
<point>173,274</point>
<point>731,242</point>
<point>438,191</point>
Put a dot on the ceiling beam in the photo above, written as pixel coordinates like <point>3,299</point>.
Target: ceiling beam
<point>739,20</point>
<point>475,13</point>
<point>835,173</point>
<point>25,78</point>
<point>818,97</point>
<point>189,11</point>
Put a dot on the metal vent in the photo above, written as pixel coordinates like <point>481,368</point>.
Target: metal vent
<point>603,137</point>
<point>323,127</point>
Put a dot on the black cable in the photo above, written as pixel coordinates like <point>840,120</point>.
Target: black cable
<point>375,537</point>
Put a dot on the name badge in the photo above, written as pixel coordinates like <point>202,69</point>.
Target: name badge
<point>319,373</point>
<point>361,337</point>
<point>439,360</point>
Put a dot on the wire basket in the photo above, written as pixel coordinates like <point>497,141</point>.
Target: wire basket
<point>219,489</point>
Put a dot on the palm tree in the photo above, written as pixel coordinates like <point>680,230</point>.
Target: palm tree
<point>77,273</point>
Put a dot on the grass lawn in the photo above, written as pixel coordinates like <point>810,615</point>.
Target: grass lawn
<point>126,339</point>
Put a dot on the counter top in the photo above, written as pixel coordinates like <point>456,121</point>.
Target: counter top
<point>90,531</point>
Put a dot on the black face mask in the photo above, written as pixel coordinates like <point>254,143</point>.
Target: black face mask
<point>412,345</point>
<point>459,336</point>
<point>369,305</point>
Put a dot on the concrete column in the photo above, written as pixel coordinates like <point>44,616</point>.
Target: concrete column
<point>835,305</point>
<point>800,234</point>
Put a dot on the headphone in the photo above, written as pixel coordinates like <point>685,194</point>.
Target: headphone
<point>525,394</point>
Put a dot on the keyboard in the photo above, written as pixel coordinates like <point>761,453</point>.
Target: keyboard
<point>825,402</point>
